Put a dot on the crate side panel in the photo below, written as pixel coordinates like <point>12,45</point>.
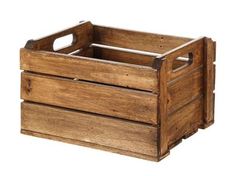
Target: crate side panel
<point>89,128</point>
<point>185,121</point>
<point>209,82</point>
<point>82,37</point>
<point>90,97</point>
<point>195,48</point>
<point>184,89</point>
<point>131,76</point>
<point>136,40</point>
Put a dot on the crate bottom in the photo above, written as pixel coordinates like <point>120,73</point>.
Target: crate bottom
<point>88,144</point>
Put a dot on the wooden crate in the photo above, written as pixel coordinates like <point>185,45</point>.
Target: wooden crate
<point>128,92</point>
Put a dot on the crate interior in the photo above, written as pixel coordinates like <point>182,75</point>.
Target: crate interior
<point>117,55</point>
<point>119,45</point>
<point>125,56</point>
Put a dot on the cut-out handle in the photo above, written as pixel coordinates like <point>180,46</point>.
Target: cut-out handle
<point>182,62</point>
<point>64,42</point>
<point>78,36</point>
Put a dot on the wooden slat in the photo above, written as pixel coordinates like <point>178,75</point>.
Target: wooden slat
<point>86,52</point>
<point>82,37</point>
<point>114,73</point>
<point>163,149</point>
<point>209,76</point>
<point>195,47</point>
<point>93,129</point>
<point>184,89</point>
<point>125,57</point>
<point>101,99</point>
<point>178,63</point>
<point>185,121</point>
<point>214,76</point>
<point>136,40</point>
<point>117,56</point>
<point>214,55</point>
<point>87,144</point>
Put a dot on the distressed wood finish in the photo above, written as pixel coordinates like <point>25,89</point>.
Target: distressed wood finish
<point>90,97</point>
<point>136,40</point>
<point>122,56</point>
<point>82,37</point>
<point>185,121</point>
<point>91,145</point>
<point>209,82</point>
<point>163,112</point>
<point>195,47</point>
<point>129,92</point>
<point>120,74</point>
<point>191,86</point>
<point>105,131</point>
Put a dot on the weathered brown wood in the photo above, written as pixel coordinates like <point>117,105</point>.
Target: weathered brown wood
<point>163,149</point>
<point>113,101</point>
<point>214,54</point>
<point>178,63</point>
<point>117,56</point>
<point>82,37</point>
<point>86,52</point>
<point>129,92</point>
<point>122,56</point>
<point>184,89</point>
<point>209,81</point>
<point>114,73</point>
<point>136,40</point>
<point>185,121</point>
<point>91,145</point>
<point>89,128</point>
<point>195,47</point>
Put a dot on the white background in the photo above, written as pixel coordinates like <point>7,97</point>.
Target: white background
<point>210,151</point>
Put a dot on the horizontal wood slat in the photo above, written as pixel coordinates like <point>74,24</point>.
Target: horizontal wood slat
<point>184,89</point>
<point>94,129</point>
<point>195,47</point>
<point>114,73</point>
<point>185,121</point>
<point>136,40</point>
<point>82,37</point>
<point>117,55</point>
<point>119,102</point>
<point>122,56</point>
<point>88,144</point>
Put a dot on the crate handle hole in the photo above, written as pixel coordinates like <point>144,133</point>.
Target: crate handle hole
<point>63,42</point>
<point>182,62</point>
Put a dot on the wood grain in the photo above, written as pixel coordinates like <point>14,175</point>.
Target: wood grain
<point>209,82</point>
<point>86,52</point>
<point>94,129</point>
<point>123,103</point>
<point>82,37</point>
<point>118,90</point>
<point>184,89</point>
<point>163,113</point>
<point>114,73</point>
<point>136,40</point>
<point>185,120</point>
<point>91,145</point>
<point>195,47</point>
<point>122,56</point>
